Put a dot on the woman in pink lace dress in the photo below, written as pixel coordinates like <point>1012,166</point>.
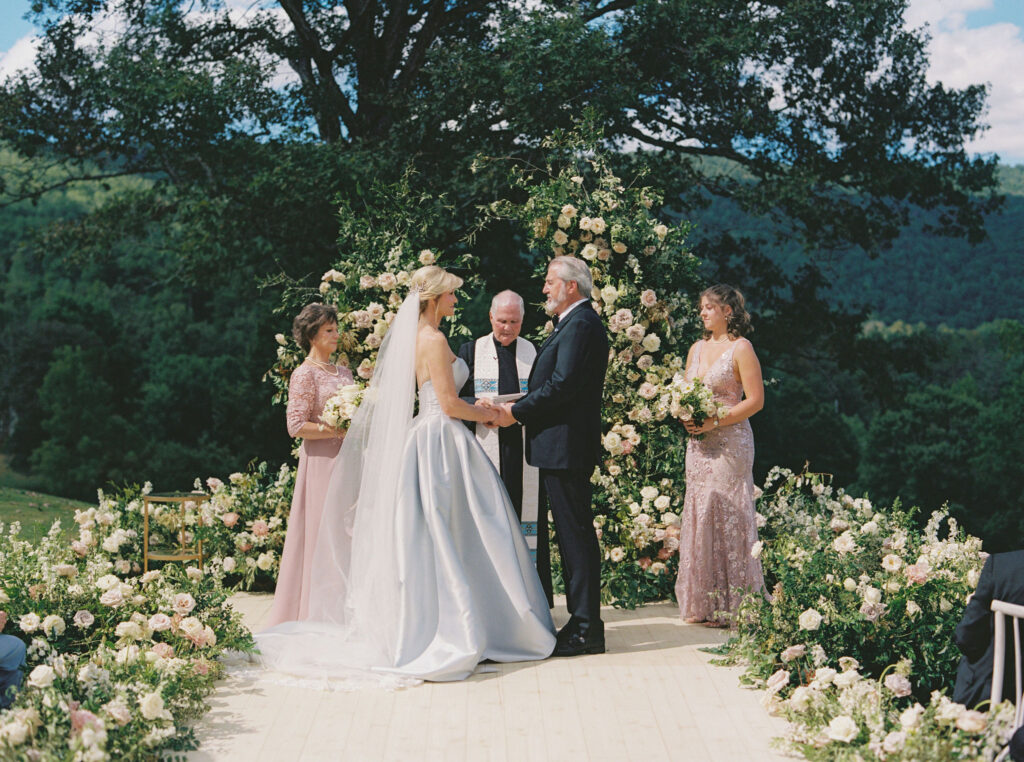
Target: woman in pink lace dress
<point>718,526</point>
<point>312,383</point>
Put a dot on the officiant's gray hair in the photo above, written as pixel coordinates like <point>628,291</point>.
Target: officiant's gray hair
<point>573,269</point>
<point>511,298</point>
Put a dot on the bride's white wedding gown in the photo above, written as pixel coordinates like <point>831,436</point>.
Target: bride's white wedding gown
<point>451,583</point>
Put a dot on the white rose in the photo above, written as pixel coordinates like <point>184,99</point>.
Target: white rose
<point>892,563</point>
<point>569,210</point>
<point>898,684</point>
<point>894,741</point>
<point>913,609</point>
<point>844,543</point>
<point>585,223</point>
<point>824,675</point>
<point>265,561</point>
<point>661,502</point>
<point>846,679</point>
<point>873,595</point>
<point>597,225</point>
<point>972,721</point>
<point>800,699</point>
<point>107,581</point>
<point>810,620</point>
<point>843,728</point>
<point>661,231</point>
<point>54,625</point>
<point>609,294</point>
<point>427,257</point>
<point>280,339</point>
<point>130,630</point>
<point>561,238</point>
<point>617,554</point>
<point>152,706</point>
<point>849,584</point>
<point>589,252</point>
<point>619,247</point>
<point>324,287</point>
<point>911,717</point>
<point>869,528</point>
<point>755,549</point>
<point>159,622</point>
<point>649,492</point>
<point>42,676</point>
<point>29,622</point>
<point>777,681</point>
<point>651,342</point>
<point>670,519</point>
<point>14,733</point>
<point>229,564</point>
<point>183,603</point>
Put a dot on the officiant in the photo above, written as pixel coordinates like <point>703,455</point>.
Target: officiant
<point>499,364</point>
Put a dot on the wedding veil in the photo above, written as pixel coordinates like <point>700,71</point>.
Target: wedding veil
<point>354,584</point>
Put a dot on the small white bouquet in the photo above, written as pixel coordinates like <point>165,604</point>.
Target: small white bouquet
<point>342,405</point>
<point>693,401</point>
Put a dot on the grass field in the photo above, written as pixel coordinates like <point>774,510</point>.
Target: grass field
<point>35,510</point>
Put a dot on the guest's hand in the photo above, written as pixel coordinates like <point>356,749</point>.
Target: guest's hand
<point>694,430</point>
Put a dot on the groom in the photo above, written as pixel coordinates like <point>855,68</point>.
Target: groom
<point>562,415</point>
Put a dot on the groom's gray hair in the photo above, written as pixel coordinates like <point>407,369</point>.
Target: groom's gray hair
<point>573,269</point>
<point>511,298</point>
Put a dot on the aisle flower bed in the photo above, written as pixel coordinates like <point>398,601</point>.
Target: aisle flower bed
<point>119,661</point>
<point>854,644</point>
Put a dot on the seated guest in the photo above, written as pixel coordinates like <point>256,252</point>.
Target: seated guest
<point>12,659</point>
<point>1002,578</point>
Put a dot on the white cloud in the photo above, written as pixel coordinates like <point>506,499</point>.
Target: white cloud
<point>992,55</point>
<point>21,55</point>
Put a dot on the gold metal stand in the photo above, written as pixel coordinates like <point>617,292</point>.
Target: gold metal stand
<point>185,551</point>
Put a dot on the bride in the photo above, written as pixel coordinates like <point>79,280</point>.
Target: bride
<point>420,570</point>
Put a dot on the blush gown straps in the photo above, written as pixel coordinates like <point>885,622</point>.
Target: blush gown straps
<point>421,570</point>
<point>718,526</point>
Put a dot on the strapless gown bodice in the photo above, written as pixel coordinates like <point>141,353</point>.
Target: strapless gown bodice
<point>429,404</point>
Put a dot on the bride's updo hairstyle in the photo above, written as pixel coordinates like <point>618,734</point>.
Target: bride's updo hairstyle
<point>738,323</point>
<point>433,281</point>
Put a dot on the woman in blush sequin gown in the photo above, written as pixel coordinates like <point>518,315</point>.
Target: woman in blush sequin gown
<point>718,526</point>
<point>312,383</point>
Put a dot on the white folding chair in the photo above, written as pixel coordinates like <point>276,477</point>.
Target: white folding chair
<point>1015,613</point>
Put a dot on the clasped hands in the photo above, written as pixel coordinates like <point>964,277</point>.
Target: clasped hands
<point>503,413</point>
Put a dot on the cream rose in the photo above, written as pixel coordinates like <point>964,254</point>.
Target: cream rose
<point>810,620</point>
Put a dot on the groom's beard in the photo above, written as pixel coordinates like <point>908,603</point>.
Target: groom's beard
<point>551,306</point>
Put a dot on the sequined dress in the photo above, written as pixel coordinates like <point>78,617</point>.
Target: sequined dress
<point>718,526</point>
<point>308,390</point>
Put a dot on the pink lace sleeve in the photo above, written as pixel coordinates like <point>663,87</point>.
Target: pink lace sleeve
<point>345,376</point>
<point>301,400</point>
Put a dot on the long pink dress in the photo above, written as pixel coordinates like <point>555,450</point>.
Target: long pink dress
<point>308,390</point>
<point>718,526</point>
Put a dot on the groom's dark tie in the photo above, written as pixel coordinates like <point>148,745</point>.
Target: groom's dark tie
<point>554,320</point>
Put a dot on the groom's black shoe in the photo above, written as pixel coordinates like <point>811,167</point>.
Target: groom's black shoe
<point>579,640</point>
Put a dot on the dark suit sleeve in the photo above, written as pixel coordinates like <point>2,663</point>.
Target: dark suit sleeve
<point>974,633</point>
<point>577,346</point>
<point>468,353</point>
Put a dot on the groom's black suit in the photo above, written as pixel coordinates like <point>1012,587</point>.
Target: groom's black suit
<point>562,415</point>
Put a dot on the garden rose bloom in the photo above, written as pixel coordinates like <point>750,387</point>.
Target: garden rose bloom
<point>777,681</point>
<point>810,620</point>
<point>194,573</point>
<point>872,595</point>
<point>152,706</point>
<point>843,728</point>
<point>657,568</point>
<point>800,699</point>
<point>66,570</point>
<point>793,652</point>
<point>42,676</point>
<point>651,342</point>
<point>616,554</point>
<point>645,362</point>
<point>163,650</point>
<point>280,339</point>
<point>214,484</point>
<point>118,711</point>
<point>972,721</point>
<point>894,741</point>
<point>53,625</point>
<point>589,252</point>
<point>585,223</point>
<point>561,238</point>
<point>29,622</point>
<point>648,298</point>
<point>846,679</point>
<point>367,281</point>
<point>229,564</point>
<point>898,684</point>
<point>569,210</point>
<point>872,611</point>
<point>619,247</point>
<point>892,563</point>
<point>183,603</point>
<point>427,257</point>
<point>260,528</point>
<point>844,543</point>
<point>265,561</point>
<point>159,622</point>
<point>647,391</point>
<point>597,225</point>
<point>849,584</point>
<point>913,609</point>
<point>911,717</point>
<point>83,619</point>
<point>917,573</point>
<point>661,231</point>
<point>643,562</point>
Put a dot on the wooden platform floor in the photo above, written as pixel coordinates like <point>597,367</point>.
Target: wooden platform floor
<point>653,696</point>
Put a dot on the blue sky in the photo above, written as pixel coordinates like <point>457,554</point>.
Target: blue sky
<point>972,41</point>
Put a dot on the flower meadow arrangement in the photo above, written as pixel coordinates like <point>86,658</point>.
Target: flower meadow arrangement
<point>853,644</point>
<point>118,661</point>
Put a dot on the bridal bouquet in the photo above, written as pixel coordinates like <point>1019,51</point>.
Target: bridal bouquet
<point>342,405</point>
<point>693,401</point>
